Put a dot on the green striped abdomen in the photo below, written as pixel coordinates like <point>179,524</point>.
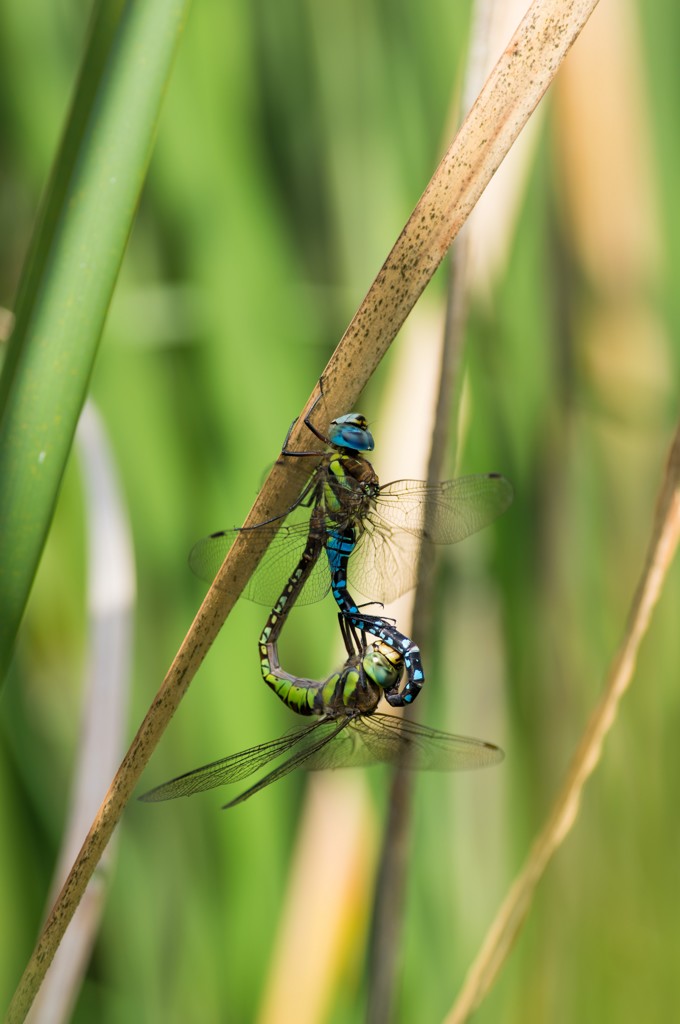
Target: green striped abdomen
<point>299,694</point>
<point>344,691</point>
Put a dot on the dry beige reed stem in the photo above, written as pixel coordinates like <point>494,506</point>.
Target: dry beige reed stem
<point>504,929</point>
<point>510,94</point>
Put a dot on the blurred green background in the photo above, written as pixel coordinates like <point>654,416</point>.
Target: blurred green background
<point>295,140</point>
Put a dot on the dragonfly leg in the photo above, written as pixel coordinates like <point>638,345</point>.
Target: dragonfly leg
<point>308,418</point>
<point>306,498</point>
<point>346,433</point>
<point>312,429</point>
<point>349,635</point>
<point>354,643</point>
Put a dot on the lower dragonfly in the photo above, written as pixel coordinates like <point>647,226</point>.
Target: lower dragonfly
<point>371,534</point>
<point>348,732</point>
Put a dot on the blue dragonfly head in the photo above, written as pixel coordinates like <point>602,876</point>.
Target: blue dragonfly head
<point>351,431</point>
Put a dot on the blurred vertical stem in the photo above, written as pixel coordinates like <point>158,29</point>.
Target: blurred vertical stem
<point>504,929</point>
<point>388,906</point>
<point>71,272</point>
<point>110,616</point>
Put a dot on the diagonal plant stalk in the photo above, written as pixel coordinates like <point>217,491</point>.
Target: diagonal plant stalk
<point>501,935</point>
<point>503,107</point>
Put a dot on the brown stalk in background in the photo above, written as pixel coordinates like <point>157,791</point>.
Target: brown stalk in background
<point>503,931</point>
<point>388,908</point>
<point>390,886</point>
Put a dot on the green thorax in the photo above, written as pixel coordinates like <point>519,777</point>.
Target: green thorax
<point>350,484</point>
<point>350,690</point>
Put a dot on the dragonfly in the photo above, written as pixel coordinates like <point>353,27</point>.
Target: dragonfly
<point>371,534</point>
<point>348,731</point>
<point>356,687</point>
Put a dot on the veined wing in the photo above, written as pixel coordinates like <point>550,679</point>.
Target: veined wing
<point>320,736</point>
<point>238,766</point>
<point>384,563</point>
<point>337,743</point>
<point>406,512</point>
<point>447,512</point>
<point>281,557</point>
<point>373,739</point>
<point>394,740</point>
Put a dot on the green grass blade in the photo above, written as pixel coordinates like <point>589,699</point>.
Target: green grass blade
<point>71,273</point>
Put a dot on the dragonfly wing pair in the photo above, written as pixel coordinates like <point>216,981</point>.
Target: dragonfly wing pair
<point>308,741</point>
<point>383,564</point>
<point>342,742</point>
<point>408,513</point>
<point>282,556</point>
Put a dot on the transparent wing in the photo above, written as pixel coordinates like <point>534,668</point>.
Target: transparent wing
<point>324,734</point>
<point>394,740</point>
<point>237,766</point>
<point>388,739</point>
<point>383,566</point>
<point>346,751</point>
<point>384,563</point>
<point>447,512</point>
<point>406,512</point>
<point>281,557</point>
<point>336,743</point>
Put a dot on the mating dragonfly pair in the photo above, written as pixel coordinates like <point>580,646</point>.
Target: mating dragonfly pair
<point>368,535</point>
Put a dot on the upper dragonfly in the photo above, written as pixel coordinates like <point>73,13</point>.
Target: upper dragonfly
<point>371,534</point>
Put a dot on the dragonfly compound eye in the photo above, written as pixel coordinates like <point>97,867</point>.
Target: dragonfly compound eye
<point>351,431</point>
<point>383,665</point>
